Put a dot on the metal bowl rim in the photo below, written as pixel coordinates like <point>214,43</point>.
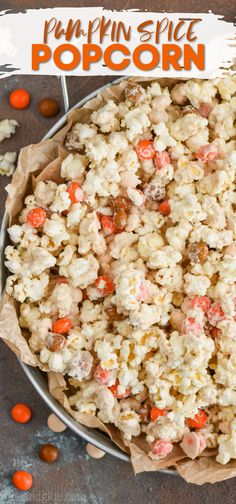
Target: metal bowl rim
<point>93,436</point>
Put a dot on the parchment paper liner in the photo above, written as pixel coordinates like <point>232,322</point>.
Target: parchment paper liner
<point>42,162</point>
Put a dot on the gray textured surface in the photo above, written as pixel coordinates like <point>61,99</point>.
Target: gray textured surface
<point>75,478</point>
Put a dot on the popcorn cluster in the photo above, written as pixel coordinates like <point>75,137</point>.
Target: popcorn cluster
<point>125,273</point>
<point>7,160</point>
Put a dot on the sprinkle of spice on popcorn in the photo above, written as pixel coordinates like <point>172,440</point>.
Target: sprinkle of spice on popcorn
<point>125,273</point>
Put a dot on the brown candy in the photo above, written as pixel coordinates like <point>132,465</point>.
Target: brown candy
<point>48,107</point>
<point>120,219</point>
<point>112,313</point>
<point>144,413</point>
<point>56,342</point>
<point>48,453</point>
<point>120,203</point>
<point>198,252</point>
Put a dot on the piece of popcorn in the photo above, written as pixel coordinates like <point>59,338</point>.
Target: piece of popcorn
<point>89,236</point>
<point>164,258</point>
<point>148,244</point>
<point>171,278</point>
<point>106,117</point>
<point>188,171</point>
<point>196,285</point>
<point>7,163</point>
<point>104,180</point>
<point>178,235</point>
<point>45,192</point>
<point>7,128</point>
<point>163,138</point>
<point>75,215</point>
<point>215,183</point>
<point>136,121</point>
<point>61,200</point>
<point>136,196</point>
<point>55,228</point>
<point>222,119</point>
<point>187,208</point>
<point>79,134</point>
<point>81,271</point>
<point>74,166</point>
<point>196,91</point>
<point>227,448</point>
<point>97,149</point>
<point>187,126</point>
<point>212,237</point>
<point>118,141</point>
<point>121,243</point>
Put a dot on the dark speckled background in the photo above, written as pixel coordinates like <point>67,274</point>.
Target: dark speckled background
<point>75,478</point>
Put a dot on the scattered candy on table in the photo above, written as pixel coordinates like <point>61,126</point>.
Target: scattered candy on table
<point>55,424</point>
<point>48,453</point>
<point>48,107</point>
<point>94,452</point>
<point>21,413</point>
<point>22,480</point>
<point>19,98</point>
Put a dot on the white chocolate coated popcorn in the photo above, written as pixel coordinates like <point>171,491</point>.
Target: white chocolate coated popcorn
<point>128,287</point>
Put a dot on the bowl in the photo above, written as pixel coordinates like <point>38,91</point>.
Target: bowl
<point>35,376</point>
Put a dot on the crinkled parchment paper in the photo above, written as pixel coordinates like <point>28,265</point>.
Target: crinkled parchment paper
<point>42,162</point>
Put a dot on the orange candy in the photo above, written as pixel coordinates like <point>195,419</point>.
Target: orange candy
<point>114,390</point>
<point>21,413</point>
<point>164,208</point>
<point>22,480</point>
<point>36,217</point>
<point>105,285</point>
<point>108,225</point>
<point>75,192</point>
<point>156,413</point>
<point>102,375</point>
<point>145,149</point>
<point>199,421</point>
<point>62,326</point>
<point>19,99</point>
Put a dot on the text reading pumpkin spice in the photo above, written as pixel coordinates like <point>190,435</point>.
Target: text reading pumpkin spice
<point>115,44</point>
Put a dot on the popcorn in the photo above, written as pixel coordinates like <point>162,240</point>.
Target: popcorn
<point>90,238</point>
<point>164,258</point>
<point>188,208</point>
<point>163,331</point>
<point>163,138</point>
<point>136,121</point>
<point>45,193</point>
<point>79,134</point>
<point>136,196</point>
<point>196,284</point>
<point>106,118</point>
<point>61,200</point>
<point>7,163</point>
<point>7,128</point>
<point>73,166</point>
<point>55,228</point>
<point>178,235</point>
<point>75,215</point>
<point>187,126</point>
<point>81,271</point>
<point>212,237</point>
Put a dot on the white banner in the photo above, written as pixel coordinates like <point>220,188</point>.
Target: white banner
<point>95,41</point>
